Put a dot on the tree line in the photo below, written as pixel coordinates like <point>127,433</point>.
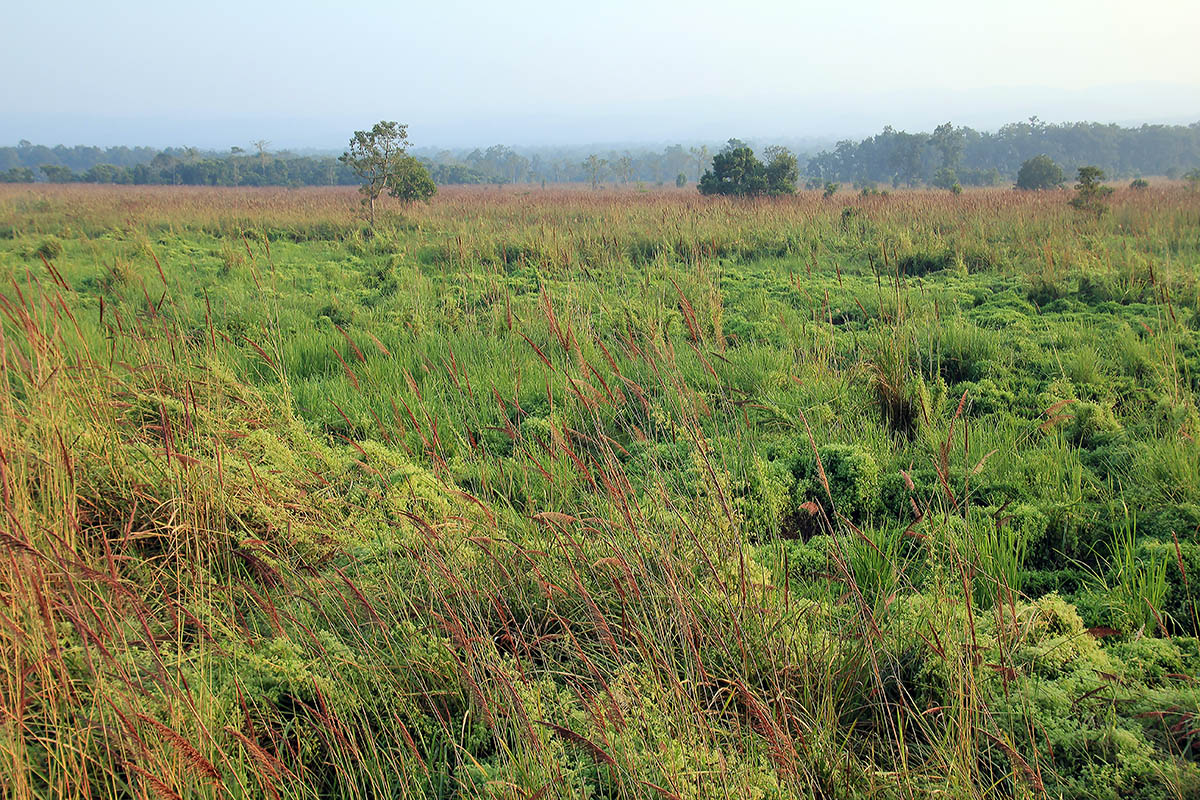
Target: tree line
<point>952,155</point>
<point>254,166</point>
<point>945,157</point>
<point>498,164</point>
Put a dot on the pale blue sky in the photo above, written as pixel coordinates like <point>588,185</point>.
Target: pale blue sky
<point>533,72</point>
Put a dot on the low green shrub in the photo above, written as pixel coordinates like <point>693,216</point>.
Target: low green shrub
<point>847,476</point>
<point>49,248</point>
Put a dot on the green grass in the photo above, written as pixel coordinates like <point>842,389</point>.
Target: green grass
<point>564,495</point>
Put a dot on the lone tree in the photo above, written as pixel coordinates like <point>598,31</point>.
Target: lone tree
<point>735,171</point>
<point>1040,172</point>
<point>379,157</point>
<point>595,167</point>
<point>1090,191</point>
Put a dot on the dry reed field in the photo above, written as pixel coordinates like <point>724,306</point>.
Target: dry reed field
<point>598,494</point>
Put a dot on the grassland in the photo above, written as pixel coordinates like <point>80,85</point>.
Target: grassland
<point>563,494</point>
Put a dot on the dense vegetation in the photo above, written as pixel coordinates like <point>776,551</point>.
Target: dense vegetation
<point>171,166</point>
<point>599,495</point>
<point>946,156</point>
<point>737,172</point>
<point>980,158</point>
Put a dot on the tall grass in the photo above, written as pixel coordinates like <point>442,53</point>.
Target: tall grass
<point>523,495</point>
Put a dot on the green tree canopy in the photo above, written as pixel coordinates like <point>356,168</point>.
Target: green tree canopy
<point>17,175</point>
<point>945,178</point>
<point>1040,172</point>
<point>949,144</point>
<point>783,170</point>
<point>56,173</point>
<point>411,181</point>
<point>736,171</point>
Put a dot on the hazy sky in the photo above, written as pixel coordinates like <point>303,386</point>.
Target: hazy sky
<point>305,74</point>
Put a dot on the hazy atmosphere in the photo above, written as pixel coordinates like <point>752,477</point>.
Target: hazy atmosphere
<point>460,73</point>
<point>613,401</point>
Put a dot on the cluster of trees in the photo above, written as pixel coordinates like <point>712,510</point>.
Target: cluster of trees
<point>961,155</point>
<point>736,171</point>
<point>380,159</point>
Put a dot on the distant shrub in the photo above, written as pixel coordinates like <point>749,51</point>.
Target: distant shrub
<point>1138,184</point>
<point>736,171</point>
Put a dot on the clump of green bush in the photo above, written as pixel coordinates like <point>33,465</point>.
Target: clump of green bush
<point>765,498</point>
<point>49,248</point>
<point>1092,425</point>
<point>849,471</point>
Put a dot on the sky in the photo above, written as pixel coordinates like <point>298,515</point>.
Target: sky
<point>538,72</point>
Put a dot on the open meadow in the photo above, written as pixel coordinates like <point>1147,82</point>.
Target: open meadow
<point>599,494</point>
